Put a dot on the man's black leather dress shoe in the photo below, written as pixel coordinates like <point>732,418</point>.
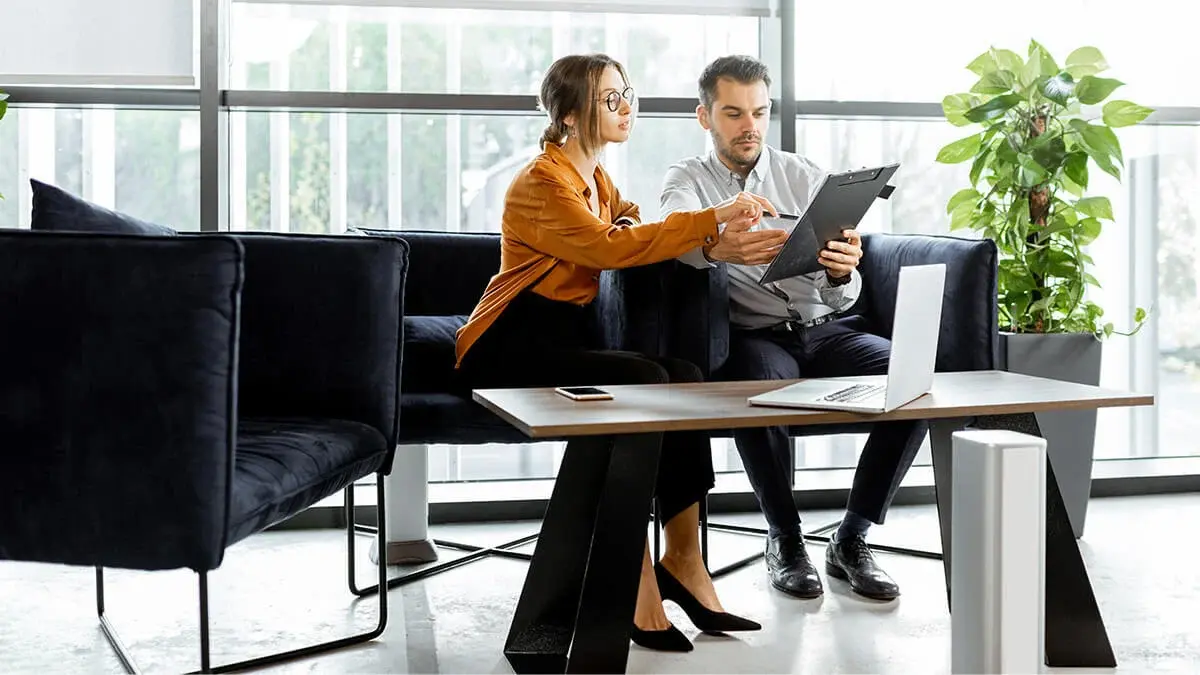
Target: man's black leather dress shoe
<point>790,568</point>
<point>851,560</point>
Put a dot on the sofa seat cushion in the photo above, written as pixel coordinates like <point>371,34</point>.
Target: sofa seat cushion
<point>447,418</point>
<point>429,353</point>
<point>56,210</point>
<point>284,465</point>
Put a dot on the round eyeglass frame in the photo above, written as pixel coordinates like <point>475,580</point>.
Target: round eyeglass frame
<point>613,100</point>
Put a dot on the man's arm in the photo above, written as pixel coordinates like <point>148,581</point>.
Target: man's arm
<point>739,243</point>
<point>679,194</point>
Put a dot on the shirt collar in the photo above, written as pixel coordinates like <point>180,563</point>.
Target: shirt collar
<point>555,154</point>
<point>759,171</point>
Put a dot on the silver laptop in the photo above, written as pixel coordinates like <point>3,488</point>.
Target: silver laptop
<point>910,367</point>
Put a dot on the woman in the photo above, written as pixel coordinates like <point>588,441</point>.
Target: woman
<point>563,223</point>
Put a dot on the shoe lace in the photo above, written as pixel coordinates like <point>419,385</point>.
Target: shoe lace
<point>856,551</point>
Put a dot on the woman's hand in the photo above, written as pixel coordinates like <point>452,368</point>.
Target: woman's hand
<point>744,205</point>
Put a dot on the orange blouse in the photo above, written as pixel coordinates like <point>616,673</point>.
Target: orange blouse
<point>547,229</point>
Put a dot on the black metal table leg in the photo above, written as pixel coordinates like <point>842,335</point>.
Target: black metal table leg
<point>577,604</point>
<point>1075,635</point>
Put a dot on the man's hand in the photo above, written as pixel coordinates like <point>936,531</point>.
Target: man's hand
<point>743,204</point>
<point>841,257</point>
<point>740,246</point>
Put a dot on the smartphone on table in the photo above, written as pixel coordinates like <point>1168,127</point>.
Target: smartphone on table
<point>584,393</point>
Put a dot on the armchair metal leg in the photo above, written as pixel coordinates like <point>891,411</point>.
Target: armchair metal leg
<point>205,658</point>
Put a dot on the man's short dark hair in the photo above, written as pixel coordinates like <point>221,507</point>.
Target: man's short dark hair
<point>744,69</point>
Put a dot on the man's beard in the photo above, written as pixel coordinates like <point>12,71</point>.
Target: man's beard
<point>727,150</point>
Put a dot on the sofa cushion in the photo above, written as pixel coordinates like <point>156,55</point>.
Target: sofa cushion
<point>57,210</point>
<point>285,464</point>
<point>448,418</point>
<point>429,357</point>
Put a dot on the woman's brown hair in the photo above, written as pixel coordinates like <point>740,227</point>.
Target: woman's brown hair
<point>571,85</point>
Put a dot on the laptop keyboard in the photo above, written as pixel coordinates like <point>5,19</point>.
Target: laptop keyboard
<point>855,393</point>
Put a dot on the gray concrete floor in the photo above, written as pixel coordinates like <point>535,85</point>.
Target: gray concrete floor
<point>279,590</point>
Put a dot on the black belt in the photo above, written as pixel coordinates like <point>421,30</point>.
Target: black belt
<point>800,326</point>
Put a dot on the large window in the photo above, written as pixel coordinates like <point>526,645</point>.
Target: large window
<point>328,172</point>
<point>868,53</point>
<point>142,162</point>
<point>429,50</point>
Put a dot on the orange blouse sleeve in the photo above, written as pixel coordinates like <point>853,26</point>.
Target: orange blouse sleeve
<point>550,216</point>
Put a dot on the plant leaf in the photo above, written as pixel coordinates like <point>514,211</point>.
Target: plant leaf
<point>995,82</point>
<point>1049,150</point>
<point>1086,61</point>
<point>960,150</point>
<point>1041,304</point>
<point>1048,66</point>
<point>955,107</point>
<point>1071,186</point>
<point>994,108</point>
<point>1091,280</point>
<point>1091,89</point>
<point>1006,59</point>
<point>981,161</point>
<point>983,64</point>
<point>1101,144</point>
<point>1139,315</point>
<point>964,196</point>
<point>1124,113</point>
<point>1087,231</point>
<point>1059,88</point>
<point>1076,168</point>
<point>1030,173</point>
<point>1096,207</point>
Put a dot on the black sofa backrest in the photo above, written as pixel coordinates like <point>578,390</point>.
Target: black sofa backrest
<point>448,271</point>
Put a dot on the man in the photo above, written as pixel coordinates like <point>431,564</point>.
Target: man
<point>797,327</point>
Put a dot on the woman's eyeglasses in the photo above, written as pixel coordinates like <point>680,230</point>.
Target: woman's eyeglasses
<point>613,100</point>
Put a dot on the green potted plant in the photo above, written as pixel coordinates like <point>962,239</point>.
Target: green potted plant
<point>1040,131</point>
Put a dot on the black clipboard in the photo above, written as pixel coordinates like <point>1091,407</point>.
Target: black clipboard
<point>841,202</point>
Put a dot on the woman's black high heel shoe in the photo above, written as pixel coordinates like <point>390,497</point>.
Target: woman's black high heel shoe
<point>702,617</point>
<point>669,640</point>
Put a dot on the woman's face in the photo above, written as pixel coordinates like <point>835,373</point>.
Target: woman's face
<point>616,107</point>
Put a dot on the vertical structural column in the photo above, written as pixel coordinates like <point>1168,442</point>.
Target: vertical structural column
<point>338,140</point>
<point>212,14</point>
<point>787,75</point>
<point>997,581</point>
<point>395,129</point>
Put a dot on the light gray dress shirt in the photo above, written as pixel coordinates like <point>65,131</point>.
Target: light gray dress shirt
<point>788,181</point>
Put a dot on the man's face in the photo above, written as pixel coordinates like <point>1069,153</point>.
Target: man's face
<point>738,121</point>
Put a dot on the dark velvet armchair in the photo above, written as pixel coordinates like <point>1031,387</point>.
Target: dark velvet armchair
<point>164,397</point>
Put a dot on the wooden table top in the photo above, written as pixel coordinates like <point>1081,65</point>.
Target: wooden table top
<point>541,413</point>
